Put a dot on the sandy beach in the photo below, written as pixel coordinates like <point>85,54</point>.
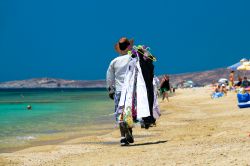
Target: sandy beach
<point>193,130</point>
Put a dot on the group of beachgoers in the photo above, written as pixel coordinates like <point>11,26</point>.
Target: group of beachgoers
<point>222,88</point>
<point>242,87</point>
<point>132,85</point>
<point>241,83</point>
<point>219,90</point>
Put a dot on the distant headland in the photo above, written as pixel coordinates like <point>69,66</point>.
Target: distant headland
<point>199,78</point>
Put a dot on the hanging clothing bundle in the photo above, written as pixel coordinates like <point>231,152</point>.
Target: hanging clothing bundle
<point>138,101</point>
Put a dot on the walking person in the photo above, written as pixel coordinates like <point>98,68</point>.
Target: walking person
<point>115,79</point>
<point>165,87</point>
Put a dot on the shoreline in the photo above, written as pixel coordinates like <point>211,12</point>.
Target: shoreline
<point>77,118</point>
<point>193,129</point>
<point>62,137</point>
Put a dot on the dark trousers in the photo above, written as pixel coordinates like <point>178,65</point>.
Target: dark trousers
<point>125,130</point>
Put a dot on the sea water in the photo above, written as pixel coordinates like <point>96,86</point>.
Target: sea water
<point>56,115</point>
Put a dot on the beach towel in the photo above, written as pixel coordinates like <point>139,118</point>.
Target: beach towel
<point>216,95</point>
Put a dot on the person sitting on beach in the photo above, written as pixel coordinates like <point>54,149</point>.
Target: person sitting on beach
<point>217,92</point>
<point>165,87</point>
<point>115,79</point>
<point>238,84</point>
<point>245,83</point>
<point>243,98</point>
<point>223,89</point>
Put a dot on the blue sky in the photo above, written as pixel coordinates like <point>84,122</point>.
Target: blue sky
<point>75,39</point>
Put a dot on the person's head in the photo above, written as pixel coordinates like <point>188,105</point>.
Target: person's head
<point>124,45</point>
<point>245,78</point>
<point>232,72</point>
<point>240,79</point>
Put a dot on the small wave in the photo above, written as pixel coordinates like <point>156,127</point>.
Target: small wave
<point>51,131</point>
<point>108,114</point>
<point>25,137</point>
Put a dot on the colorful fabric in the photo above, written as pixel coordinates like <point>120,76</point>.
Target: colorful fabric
<point>134,94</point>
<point>156,108</point>
<point>117,100</point>
<point>134,104</point>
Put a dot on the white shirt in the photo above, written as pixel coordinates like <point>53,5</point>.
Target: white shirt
<point>116,72</point>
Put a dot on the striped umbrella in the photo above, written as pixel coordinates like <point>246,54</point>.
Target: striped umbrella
<point>236,65</point>
<point>245,66</point>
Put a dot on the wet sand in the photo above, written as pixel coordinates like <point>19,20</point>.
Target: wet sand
<point>193,130</point>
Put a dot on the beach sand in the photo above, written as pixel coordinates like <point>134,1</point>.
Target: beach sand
<point>193,130</point>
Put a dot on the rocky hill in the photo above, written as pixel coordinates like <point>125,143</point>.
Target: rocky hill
<point>52,83</point>
<point>199,78</point>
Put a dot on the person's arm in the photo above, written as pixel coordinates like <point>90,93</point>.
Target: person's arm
<point>110,78</point>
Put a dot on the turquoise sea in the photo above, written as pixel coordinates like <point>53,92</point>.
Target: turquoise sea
<point>56,115</point>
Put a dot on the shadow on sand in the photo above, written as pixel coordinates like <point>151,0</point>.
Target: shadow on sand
<point>149,143</point>
<point>115,143</point>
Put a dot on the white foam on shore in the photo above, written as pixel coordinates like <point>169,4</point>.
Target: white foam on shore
<point>25,138</point>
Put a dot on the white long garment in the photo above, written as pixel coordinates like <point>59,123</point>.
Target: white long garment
<point>141,91</point>
<point>142,96</point>
<point>126,93</point>
<point>129,84</point>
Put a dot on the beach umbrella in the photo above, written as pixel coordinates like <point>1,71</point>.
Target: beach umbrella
<point>244,67</point>
<point>243,60</point>
<point>223,80</point>
<point>234,66</point>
